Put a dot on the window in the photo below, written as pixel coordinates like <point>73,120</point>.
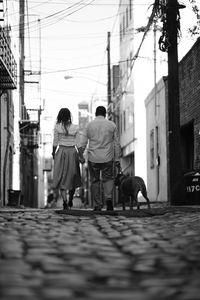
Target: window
<point>121,123</point>
<point>126,17</point>
<point>130,9</point>
<point>120,32</point>
<point>124,115</point>
<point>152,149</point>
<point>123,25</point>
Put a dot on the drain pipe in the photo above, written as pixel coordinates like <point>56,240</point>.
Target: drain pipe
<point>1,93</point>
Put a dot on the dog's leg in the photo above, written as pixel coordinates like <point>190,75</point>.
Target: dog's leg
<point>131,203</point>
<point>123,203</point>
<point>136,199</point>
<point>148,202</point>
<point>138,204</point>
<point>122,197</point>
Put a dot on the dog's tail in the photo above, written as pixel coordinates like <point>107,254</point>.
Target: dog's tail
<point>143,190</point>
<point>141,186</point>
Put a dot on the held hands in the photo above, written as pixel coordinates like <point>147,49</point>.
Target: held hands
<point>80,155</point>
<point>81,159</point>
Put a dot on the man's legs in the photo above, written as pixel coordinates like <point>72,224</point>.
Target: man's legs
<point>94,169</point>
<point>71,195</point>
<point>108,184</point>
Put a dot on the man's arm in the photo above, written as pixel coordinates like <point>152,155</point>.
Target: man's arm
<point>54,151</point>
<point>83,140</point>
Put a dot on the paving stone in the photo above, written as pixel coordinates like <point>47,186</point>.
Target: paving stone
<point>14,266</point>
<point>22,292</point>
<point>67,280</point>
<point>118,295</point>
<point>57,293</point>
<point>46,255</point>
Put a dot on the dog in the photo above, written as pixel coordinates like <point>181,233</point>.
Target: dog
<point>129,187</point>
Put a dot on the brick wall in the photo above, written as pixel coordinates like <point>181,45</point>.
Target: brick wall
<point>189,78</point>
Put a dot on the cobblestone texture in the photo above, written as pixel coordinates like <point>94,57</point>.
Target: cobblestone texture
<point>48,254</point>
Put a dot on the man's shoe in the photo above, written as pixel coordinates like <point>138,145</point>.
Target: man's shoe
<point>97,208</point>
<point>70,203</point>
<point>109,205</point>
<point>65,206</point>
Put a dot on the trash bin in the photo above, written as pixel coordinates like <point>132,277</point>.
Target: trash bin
<point>192,184</point>
<point>14,197</point>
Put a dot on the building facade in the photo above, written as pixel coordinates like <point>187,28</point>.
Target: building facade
<point>8,83</point>
<point>126,89</point>
<point>156,115</point>
<point>157,142</point>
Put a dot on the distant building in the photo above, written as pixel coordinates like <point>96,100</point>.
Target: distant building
<point>83,114</point>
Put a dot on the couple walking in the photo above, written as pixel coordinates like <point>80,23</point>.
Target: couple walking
<point>101,140</point>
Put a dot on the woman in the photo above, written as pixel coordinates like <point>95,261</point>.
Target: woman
<point>66,173</point>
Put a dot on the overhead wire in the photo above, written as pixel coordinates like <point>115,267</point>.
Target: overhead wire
<point>117,14</point>
<point>95,4</point>
<point>59,16</point>
<point>147,28</point>
<point>88,66</point>
<point>53,18</point>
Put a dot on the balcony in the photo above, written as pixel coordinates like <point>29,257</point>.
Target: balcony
<point>29,134</point>
<point>8,66</point>
<point>29,127</point>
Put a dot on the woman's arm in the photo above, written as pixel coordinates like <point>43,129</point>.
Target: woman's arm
<point>55,142</point>
<point>54,151</point>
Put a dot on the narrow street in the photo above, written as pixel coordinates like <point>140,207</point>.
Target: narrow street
<point>50,254</point>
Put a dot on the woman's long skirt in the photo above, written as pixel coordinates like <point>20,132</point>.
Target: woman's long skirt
<point>66,172</point>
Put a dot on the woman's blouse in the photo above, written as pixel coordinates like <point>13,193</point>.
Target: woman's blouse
<point>60,137</point>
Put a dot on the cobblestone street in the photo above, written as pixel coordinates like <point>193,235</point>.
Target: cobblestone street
<point>48,254</point>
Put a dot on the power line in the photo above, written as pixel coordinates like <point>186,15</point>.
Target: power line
<point>95,4</point>
<point>54,18</point>
<point>91,66</point>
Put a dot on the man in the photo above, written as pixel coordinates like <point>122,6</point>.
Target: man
<point>104,152</point>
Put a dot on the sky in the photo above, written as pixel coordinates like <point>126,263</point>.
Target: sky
<point>73,45</point>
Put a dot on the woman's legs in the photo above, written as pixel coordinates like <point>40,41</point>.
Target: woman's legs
<point>64,197</point>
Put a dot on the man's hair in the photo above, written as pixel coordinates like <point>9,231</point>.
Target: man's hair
<point>100,111</point>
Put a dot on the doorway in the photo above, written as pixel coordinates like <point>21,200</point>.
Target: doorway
<point>187,146</point>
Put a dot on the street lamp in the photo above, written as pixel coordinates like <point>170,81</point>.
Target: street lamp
<point>66,77</point>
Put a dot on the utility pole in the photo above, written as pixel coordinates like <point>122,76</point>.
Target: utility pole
<point>109,78</point>
<point>175,177</point>
<point>21,59</point>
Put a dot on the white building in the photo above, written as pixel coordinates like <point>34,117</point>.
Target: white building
<point>138,71</point>
<point>156,142</point>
